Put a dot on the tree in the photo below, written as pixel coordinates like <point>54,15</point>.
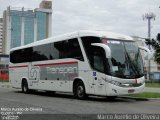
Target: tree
<point>156,45</point>
<point>157,48</point>
<point>157,55</point>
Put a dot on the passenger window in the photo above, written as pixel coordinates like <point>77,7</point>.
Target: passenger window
<point>69,49</point>
<point>58,50</point>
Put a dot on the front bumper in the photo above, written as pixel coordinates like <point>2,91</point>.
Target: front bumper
<point>114,90</point>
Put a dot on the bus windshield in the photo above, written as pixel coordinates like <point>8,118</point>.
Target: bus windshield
<point>126,61</point>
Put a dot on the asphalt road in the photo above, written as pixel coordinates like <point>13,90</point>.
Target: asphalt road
<point>40,106</point>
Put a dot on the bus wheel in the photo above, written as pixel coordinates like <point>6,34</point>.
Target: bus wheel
<point>80,91</point>
<point>25,87</point>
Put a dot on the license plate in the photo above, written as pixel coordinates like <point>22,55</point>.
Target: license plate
<point>131,91</point>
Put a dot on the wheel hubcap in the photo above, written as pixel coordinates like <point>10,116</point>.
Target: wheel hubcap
<point>80,91</point>
<point>25,89</point>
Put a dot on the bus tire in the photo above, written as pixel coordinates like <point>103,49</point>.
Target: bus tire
<point>80,91</point>
<point>25,88</point>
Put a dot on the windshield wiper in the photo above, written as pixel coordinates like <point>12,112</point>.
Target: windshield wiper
<point>131,64</point>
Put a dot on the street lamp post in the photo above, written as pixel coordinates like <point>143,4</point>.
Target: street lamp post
<point>149,17</point>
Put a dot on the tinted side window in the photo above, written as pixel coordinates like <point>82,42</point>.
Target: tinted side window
<point>12,57</point>
<point>28,53</point>
<point>68,49</point>
<point>54,52</point>
<point>40,53</point>
<point>74,50</point>
<point>58,50</point>
<point>87,41</point>
<point>20,56</point>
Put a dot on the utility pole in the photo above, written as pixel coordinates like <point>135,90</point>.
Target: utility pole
<point>149,17</point>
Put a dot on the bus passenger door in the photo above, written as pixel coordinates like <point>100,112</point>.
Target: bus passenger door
<point>99,75</point>
<point>99,83</point>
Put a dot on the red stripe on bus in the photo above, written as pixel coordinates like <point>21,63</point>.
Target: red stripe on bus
<point>18,66</point>
<point>50,64</point>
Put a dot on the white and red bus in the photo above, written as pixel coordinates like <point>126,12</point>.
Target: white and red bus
<point>83,63</point>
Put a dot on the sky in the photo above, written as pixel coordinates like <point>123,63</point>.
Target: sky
<point>120,16</point>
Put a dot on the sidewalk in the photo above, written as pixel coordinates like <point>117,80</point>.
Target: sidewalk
<point>5,84</point>
<point>148,89</point>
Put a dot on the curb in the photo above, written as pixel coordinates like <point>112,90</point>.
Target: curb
<point>149,89</point>
<point>140,98</point>
<point>7,85</point>
<point>154,98</point>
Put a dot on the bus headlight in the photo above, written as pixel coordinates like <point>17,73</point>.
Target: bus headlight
<point>116,83</point>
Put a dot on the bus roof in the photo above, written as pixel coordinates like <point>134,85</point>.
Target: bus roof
<point>81,33</point>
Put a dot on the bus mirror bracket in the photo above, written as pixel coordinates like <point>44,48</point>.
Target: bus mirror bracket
<point>149,55</point>
<point>105,47</point>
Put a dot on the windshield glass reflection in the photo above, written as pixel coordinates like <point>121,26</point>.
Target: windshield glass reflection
<point>126,61</point>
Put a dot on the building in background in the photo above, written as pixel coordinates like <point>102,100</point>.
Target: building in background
<point>1,35</point>
<point>45,4</point>
<point>20,26</point>
<point>23,26</point>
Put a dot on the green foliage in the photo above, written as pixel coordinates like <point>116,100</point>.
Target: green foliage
<point>147,95</point>
<point>153,85</point>
<point>157,55</point>
<point>156,45</point>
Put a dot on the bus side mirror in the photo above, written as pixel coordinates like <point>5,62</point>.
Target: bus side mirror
<point>149,55</point>
<point>105,47</point>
